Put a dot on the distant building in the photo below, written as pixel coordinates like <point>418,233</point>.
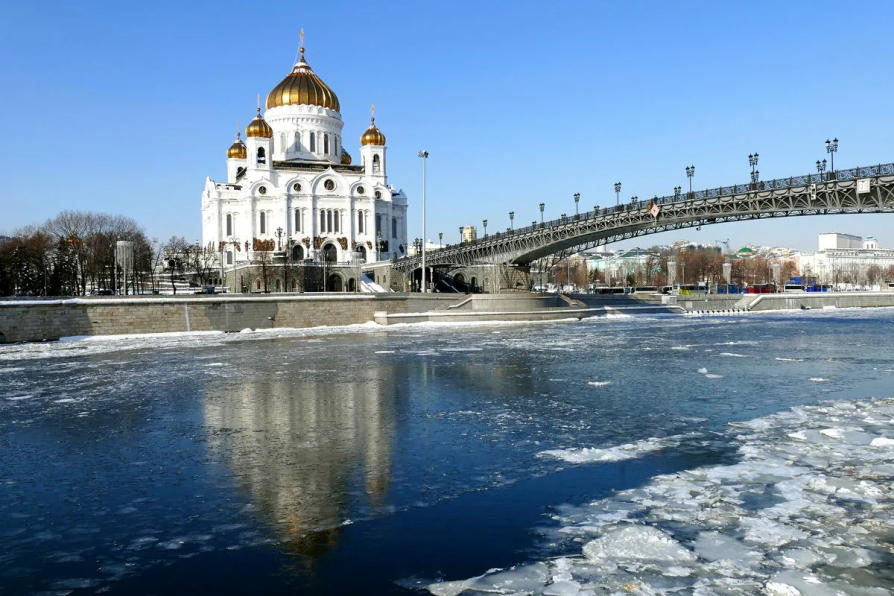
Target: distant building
<point>834,240</point>
<point>849,261</point>
<point>470,234</point>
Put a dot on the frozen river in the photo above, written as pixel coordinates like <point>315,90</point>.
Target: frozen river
<point>682,455</point>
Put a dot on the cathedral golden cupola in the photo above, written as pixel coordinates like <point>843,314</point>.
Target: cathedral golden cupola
<point>302,87</point>
<point>259,127</point>
<point>237,150</point>
<point>345,157</point>
<point>372,136</point>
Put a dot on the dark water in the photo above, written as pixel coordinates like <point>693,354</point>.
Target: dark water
<point>366,461</point>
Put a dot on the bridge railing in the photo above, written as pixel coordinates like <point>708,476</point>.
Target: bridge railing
<point>710,193</point>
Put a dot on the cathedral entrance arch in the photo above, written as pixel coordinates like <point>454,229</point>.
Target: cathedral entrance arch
<point>330,253</point>
<point>297,253</point>
<point>334,283</point>
<point>361,250</point>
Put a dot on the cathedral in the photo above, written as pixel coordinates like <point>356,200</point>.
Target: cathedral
<point>293,195</point>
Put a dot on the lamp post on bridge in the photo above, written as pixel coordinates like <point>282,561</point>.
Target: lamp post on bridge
<point>752,161</point>
<point>440,240</point>
<point>485,228</point>
<point>690,172</point>
<point>576,201</point>
<point>617,193</point>
<point>460,234</point>
<point>821,168</point>
<point>542,205</point>
<point>511,217</point>
<point>832,149</point>
<point>677,191</point>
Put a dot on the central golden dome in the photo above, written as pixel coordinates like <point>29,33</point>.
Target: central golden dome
<point>302,87</point>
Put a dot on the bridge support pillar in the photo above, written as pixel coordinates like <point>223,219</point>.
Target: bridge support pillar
<point>515,278</point>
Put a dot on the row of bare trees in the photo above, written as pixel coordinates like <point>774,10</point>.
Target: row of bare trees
<point>72,252</point>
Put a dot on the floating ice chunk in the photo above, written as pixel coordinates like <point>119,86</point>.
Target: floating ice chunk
<point>637,543</point>
<point>818,379</point>
<point>599,383</point>
<point>882,442</point>
<point>524,578</point>
<point>562,588</point>
<point>790,359</point>
<point>619,453</point>
<point>768,532</point>
<point>793,583</point>
<point>709,376</point>
<point>702,371</point>
<point>247,330</point>
<point>714,546</point>
<point>454,588</point>
<point>385,352</point>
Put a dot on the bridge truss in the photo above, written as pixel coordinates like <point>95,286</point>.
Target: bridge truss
<point>858,190</point>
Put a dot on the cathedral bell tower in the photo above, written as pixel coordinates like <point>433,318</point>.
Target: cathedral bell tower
<point>259,143</point>
<point>372,150</point>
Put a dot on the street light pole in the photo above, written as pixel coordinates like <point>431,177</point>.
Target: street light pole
<point>440,239</point>
<point>821,168</point>
<point>576,201</point>
<point>424,156</point>
<point>485,228</point>
<point>617,193</point>
<point>460,234</point>
<point>511,217</point>
<point>832,149</point>
<point>690,172</point>
<point>752,161</point>
<point>542,205</point>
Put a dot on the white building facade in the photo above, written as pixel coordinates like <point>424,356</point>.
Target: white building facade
<point>293,193</point>
<point>849,262</point>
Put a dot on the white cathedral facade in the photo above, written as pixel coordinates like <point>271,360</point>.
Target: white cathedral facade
<point>293,195</point>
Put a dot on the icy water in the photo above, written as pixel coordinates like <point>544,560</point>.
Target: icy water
<point>681,455</point>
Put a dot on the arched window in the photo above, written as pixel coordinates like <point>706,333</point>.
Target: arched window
<point>297,253</point>
<point>360,222</point>
<point>377,165</point>
<point>335,145</point>
<point>297,220</point>
<point>297,140</point>
<point>263,222</point>
<point>328,221</point>
<point>394,227</point>
<point>335,220</point>
<point>378,223</point>
<point>326,144</point>
<point>313,143</point>
<point>322,220</point>
<point>262,156</point>
<point>229,257</point>
<point>229,225</point>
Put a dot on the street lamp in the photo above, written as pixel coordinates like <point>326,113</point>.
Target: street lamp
<point>832,149</point>
<point>576,201</point>
<point>460,234</point>
<point>424,156</point>
<point>485,228</point>
<point>821,168</point>
<point>690,172</point>
<point>278,238</point>
<point>542,205</point>
<point>440,239</point>
<point>677,191</point>
<point>511,217</point>
<point>617,193</point>
<point>752,161</point>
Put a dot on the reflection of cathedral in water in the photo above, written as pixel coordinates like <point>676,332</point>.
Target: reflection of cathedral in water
<point>304,450</point>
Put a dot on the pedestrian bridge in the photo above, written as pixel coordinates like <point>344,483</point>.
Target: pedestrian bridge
<point>858,190</point>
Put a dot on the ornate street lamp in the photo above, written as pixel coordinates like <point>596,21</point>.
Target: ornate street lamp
<point>821,168</point>
<point>617,193</point>
<point>485,228</point>
<point>677,191</point>
<point>279,238</point>
<point>440,239</point>
<point>511,217</point>
<point>832,149</point>
<point>752,161</point>
<point>690,172</point>
<point>542,205</point>
<point>576,201</point>
<point>460,234</point>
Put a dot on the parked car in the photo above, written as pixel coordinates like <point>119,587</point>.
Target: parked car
<point>102,293</point>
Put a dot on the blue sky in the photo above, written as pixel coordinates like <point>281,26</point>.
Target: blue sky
<point>125,107</point>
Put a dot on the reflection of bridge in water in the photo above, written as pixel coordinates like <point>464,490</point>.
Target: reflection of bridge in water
<point>858,190</point>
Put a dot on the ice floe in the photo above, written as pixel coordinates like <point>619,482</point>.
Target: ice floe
<point>619,453</point>
<point>808,510</point>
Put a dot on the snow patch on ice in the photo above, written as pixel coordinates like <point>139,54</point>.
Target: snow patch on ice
<point>610,454</point>
<point>599,383</point>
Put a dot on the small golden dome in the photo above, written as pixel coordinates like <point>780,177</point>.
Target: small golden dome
<point>302,87</point>
<point>345,157</point>
<point>372,136</point>
<point>237,150</point>
<point>259,128</point>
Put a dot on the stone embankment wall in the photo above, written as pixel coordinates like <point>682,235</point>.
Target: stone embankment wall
<point>36,320</point>
<point>785,301</point>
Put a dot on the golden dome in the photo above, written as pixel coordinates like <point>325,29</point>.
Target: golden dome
<point>345,157</point>
<point>237,150</point>
<point>302,87</point>
<point>372,136</point>
<point>259,127</point>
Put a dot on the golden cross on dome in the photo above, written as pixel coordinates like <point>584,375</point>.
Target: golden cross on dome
<point>301,44</point>
<point>372,111</point>
<point>238,129</point>
<point>259,104</point>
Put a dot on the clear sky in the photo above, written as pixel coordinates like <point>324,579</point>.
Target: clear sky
<point>125,107</point>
